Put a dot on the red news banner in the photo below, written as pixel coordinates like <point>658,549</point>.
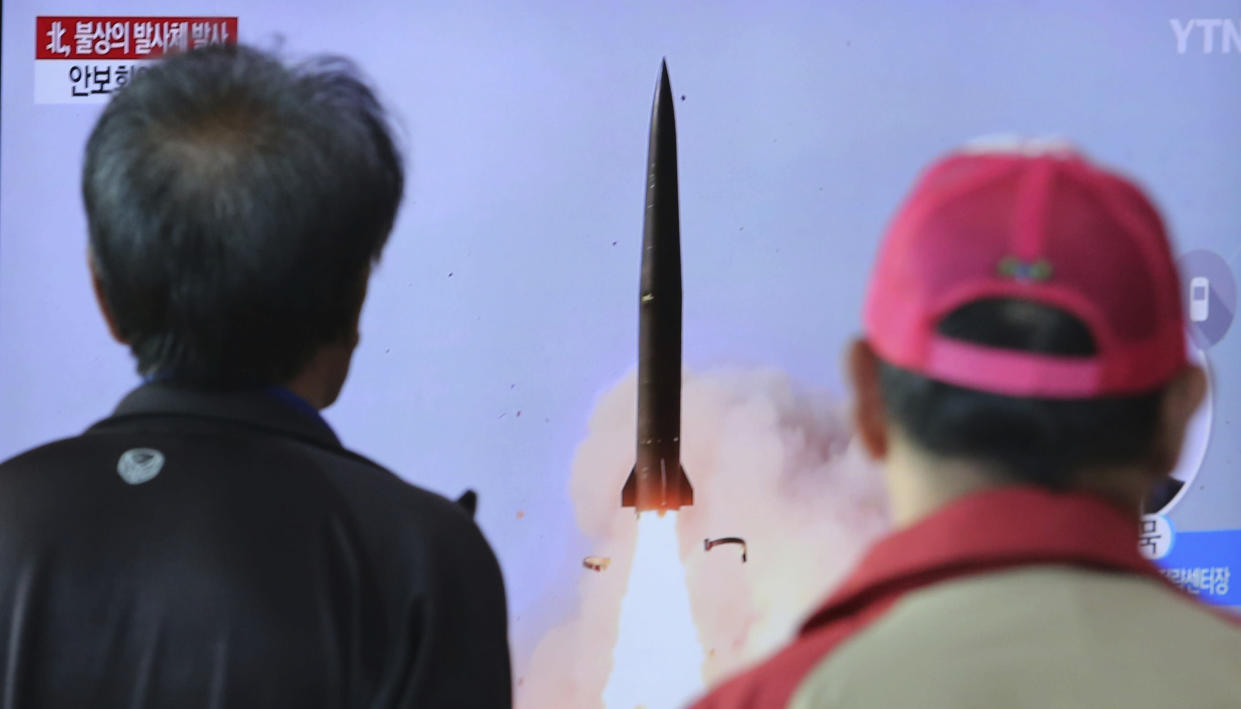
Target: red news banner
<point>86,59</point>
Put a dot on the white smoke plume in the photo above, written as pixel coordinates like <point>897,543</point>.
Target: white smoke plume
<point>770,462</point>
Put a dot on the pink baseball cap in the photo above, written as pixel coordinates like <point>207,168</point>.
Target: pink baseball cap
<point>1047,227</point>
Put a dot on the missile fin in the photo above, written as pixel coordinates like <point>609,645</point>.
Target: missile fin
<point>629,493</point>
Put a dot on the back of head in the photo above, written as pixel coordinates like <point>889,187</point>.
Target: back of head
<point>1033,440</point>
<point>235,208</point>
<point>1026,314</point>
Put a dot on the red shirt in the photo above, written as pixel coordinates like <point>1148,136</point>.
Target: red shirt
<point>980,533</point>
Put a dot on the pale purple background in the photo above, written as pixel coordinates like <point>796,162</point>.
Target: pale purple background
<point>803,124</point>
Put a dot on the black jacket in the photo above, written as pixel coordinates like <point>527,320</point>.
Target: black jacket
<point>224,550</point>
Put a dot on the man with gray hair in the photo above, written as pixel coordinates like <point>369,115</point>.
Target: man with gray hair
<point>212,544</point>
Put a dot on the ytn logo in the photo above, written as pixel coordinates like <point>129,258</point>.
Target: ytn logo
<point>1228,32</point>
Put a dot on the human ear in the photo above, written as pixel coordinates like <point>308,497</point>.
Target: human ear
<point>869,414</point>
<point>1181,398</point>
<point>102,301</point>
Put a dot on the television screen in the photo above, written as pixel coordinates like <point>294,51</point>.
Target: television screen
<point>500,336</point>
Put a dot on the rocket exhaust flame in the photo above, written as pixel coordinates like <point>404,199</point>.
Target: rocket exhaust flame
<point>658,482</point>
<point>657,663</point>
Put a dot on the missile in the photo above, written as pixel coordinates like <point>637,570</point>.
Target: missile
<point>658,482</point>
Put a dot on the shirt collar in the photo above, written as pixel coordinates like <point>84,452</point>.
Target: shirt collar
<point>996,528</point>
<point>272,408</point>
<point>298,403</point>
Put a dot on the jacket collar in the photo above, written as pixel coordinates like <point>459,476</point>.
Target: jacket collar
<point>275,410</point>
<point>993,529</point>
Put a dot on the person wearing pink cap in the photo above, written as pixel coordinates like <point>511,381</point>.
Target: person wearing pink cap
<point>1023,378</point>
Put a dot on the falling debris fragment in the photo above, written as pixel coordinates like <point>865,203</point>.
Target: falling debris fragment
<point>708,544</point>
<point>597,563</point>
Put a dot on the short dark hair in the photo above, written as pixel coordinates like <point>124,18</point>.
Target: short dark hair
<point>235,208</point>
<point>1046,442</point>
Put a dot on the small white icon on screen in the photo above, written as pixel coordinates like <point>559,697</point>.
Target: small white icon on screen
<point>1199,299</point>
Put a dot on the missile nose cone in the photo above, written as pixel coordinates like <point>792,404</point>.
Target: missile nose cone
<point>662,171</point>
<point>663,92</point>
<point>663,121</point>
